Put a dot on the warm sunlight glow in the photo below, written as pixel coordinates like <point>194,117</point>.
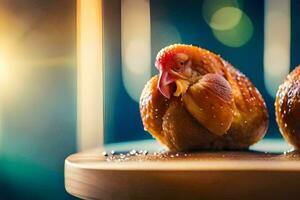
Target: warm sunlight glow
<point>2,67</point>
<point>4,74</point>
<point>89,78</point>
<point>3,81</point>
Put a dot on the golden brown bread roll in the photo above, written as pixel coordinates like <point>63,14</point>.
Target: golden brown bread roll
<point>287,108</point>
<point>199,101</point>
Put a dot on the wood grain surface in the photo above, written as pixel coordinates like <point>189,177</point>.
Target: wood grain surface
<point>203,175</point>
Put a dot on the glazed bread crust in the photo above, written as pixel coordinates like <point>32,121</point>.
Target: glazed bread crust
<point>232,115</point>
<point>287,108</point>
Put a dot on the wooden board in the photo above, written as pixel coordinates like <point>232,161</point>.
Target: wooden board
<point>202,175</point>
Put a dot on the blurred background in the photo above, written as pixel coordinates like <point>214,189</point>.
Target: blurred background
<point>39,75</point>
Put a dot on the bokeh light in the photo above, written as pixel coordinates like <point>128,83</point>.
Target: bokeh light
<point>277,43</point>
<point>210,7</point>
<point>230,25</point>
<point>225,18</point>
<point>238,35</point>
<point>136,46</point>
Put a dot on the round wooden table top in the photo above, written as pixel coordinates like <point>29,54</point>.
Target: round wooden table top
<point>142,174</point>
